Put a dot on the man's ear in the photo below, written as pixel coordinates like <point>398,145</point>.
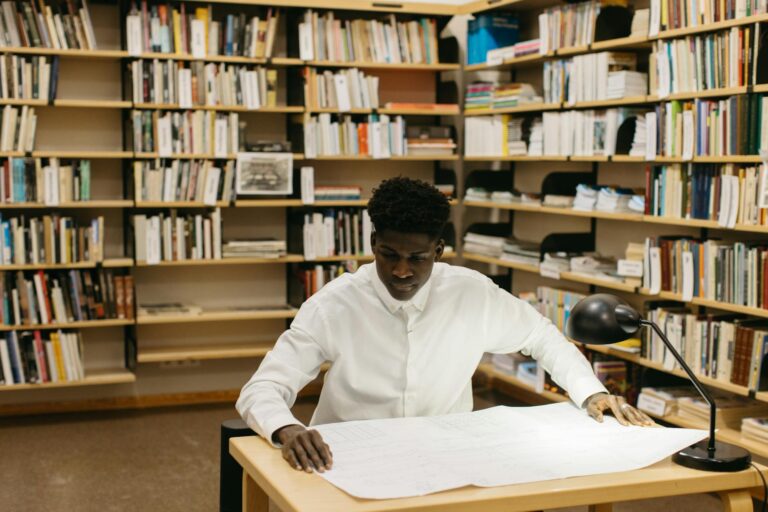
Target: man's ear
<point>439,248</point>
<point>373,240</point>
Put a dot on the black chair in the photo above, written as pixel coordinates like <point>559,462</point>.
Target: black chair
<point>231,473</point>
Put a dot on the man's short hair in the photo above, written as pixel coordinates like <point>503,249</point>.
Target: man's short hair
<point>408,206</point>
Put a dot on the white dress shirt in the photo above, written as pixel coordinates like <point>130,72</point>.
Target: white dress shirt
<point>393,358</point>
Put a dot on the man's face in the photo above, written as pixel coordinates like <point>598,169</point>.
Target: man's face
<point>404,261</point>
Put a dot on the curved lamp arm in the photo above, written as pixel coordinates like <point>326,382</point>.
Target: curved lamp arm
<point>699,387</point>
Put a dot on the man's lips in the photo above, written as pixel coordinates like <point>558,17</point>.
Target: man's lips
<point>403,286</point>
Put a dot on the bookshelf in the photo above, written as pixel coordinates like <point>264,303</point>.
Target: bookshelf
<point>176,358</point>
<point>610,232</point>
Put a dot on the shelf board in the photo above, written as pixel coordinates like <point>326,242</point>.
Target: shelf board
<point>66,153</point>
<point>284,109</point>
<point>233,59</point>
<point>593,158</point>
<point>222,351</point>
<point>636,359</point>
<point>183,156</point>
<point>726,434</point>
<point>92,378</point>
<point>115,322</point>
<point>698,301</point>
<point>564,276</point>
<point>218,316</point>
<point>710,27</point>
<point>636,42</point>
<point>77,103</point>
<point>495,374</point>
<point>81,54</point>
<point>634,100</point>
<point>711,93</point>
<point>525,60</point>
<point>736,159</point>
<point>107,263</point>
<point>179,204</point>
<point>386,111</point>
<point>384,65</point>
<point>106,203</point>
<point>22,102</point>
<point>527,107</point>
<point>291,258</point>
<point>267,203</point>
<point>407,158</point>
<point>523,207</point>
<point>517,158</point>
<point>629,159</point>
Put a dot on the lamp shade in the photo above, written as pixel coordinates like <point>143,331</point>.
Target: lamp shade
<point>602,319</point>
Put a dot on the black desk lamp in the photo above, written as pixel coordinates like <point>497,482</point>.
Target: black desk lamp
<point>602,319</point>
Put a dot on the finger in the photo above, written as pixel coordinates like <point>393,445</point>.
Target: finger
<point>647,420</point>
<point>301,454</point>
<point>309,446</point>
<point>595,409</point>
<point>632,415</point>
<point>613,403</point>
<point>323,449</point>
<point>291,458</point>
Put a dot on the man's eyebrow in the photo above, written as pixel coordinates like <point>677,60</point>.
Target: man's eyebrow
<point>388,248</point>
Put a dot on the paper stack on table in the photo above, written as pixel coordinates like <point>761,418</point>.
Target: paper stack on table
<point>401,457</point>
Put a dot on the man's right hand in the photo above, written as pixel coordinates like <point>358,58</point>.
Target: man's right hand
<point>304,449</point>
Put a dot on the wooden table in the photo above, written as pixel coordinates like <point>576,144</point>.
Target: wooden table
<point>267,476</point>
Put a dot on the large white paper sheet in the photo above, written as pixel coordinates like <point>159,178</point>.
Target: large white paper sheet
<point>401,457</point>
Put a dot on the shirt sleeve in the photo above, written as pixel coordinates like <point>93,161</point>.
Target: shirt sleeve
<point>515,326</point>
<point>266,399</point>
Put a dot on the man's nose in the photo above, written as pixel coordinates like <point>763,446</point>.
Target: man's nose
<point>402,269</point>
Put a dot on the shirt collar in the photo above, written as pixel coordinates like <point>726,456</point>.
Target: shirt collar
<point>419,301</point>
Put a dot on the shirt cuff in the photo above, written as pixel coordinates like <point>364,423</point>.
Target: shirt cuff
<point>583,389</point>
<point>277,422</point>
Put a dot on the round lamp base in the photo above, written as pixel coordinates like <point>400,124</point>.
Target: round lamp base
<point>727,457</point>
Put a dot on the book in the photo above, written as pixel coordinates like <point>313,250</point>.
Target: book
<point>169,236</point>
<point>184,181</point>
<point>50,239</point>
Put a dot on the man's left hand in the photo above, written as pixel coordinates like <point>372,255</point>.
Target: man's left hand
<point>618,406</point>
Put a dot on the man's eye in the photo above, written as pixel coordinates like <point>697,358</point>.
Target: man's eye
<point>418,258</point>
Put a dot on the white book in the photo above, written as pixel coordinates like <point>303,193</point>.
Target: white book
<point>197,31</point>
<point>51,184</point>
<point>342,92</point>
<point>212,177</point>
<point>133,34</point>
<point>308,185</point>
<point>306,47</point>
<point>164,136</point>
<point>650,136</point>
<point>59,310</point>
<point>198,242</point>
<point>44,318</point>
<point>185,88</point>
<point>688,134</point>
<point>207,252</point>
<point>308,241</point>
<point>50,355</point>
<point>213,38</point>
<point>220,137</point>
<point>5,360</point>
<point>140,235</point>
<point>67,357</point>
<point>253,96</point>
<point>216,234</point>
<point>152,242</point>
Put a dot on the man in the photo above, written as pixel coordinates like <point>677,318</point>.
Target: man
<point>404,336</point>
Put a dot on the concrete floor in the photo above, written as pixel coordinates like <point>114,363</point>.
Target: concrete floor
<point>155,460</point>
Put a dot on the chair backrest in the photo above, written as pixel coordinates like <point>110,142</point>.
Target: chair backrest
<point>231,474</point>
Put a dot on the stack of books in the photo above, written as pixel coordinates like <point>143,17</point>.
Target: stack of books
<point>34,357</point>
<point>731,409</point>
<point>28,78</point>
<point>595,265</point>
<point>476,194</point>
<point>168,309</point>
<point>536,140</point>
<point>513,94</point>
<point>586,197</point>
<point>487,245</point>
<point>587,76</point>
<point>313,279</point>
<point>479,96</point>
<point>520,251</point>
<point>556,304</point>
<point>192,30</point>
<point>26,25</point>
<point>614,199</point>
<point>557,201</point>
<point>31,180</point>
<point>626,84</point>
<point>755,429</point>
<point>338,193</point>
<point>323,37</point>
<point>515,137</point>
<point>429,140</point>
<point>260,248</point>
<point>662,402</point>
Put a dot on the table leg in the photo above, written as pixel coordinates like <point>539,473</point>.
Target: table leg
<point>254,498</point>
<point>602,507</point>
<point>737,501</point>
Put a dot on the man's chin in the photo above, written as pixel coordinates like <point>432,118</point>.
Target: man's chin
<point>402,294</point>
